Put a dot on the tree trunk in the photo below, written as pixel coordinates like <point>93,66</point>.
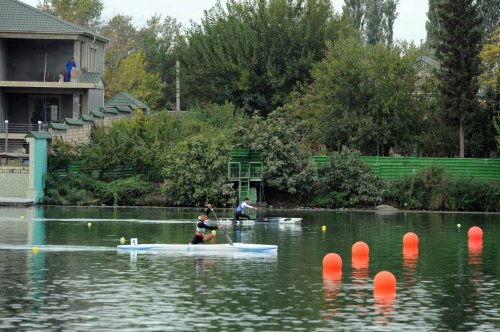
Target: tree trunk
<point>462,143</point>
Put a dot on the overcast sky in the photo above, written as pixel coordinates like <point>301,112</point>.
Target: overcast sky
<point>410,24</point>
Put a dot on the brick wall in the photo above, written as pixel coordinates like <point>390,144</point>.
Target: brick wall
<point>13,181</point>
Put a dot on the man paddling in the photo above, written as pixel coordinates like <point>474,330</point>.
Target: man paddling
<point>241,209</point>
<point>200,236</point>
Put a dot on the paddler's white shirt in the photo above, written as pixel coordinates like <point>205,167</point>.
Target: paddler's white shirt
<point>243,205</point>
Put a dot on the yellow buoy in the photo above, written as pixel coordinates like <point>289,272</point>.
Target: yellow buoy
<point>214,232</point>
<point>122,240</point>
<point>22,217</point>
<point>35,250</point>
<point>89,225</point>
<point>458,225</point>
<point>323,228</point>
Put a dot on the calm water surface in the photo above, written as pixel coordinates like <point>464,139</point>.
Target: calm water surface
<point>79,282</point>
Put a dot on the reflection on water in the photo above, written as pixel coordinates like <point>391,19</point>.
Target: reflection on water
<point>78,281</point>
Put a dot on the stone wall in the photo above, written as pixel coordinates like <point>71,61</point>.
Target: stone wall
<point>13,181</point>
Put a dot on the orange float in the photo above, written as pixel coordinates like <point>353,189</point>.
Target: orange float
<point>475,233</point>
<point>332,262</point>
<point>384,283</point>
<point>410,240</point>
<point>360,250</point>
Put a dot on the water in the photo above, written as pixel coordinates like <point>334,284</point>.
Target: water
<point>78,281</point>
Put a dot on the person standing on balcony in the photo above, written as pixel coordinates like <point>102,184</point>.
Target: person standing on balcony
<point>69,65</point>
<point>241,209</point>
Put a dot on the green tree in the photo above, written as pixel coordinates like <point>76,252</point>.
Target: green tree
<point>131,76</point>
<point>195,172</point>
<point>253,53</point>
<point>157,41</point>
<point>123,40</point>
<point>288,168</point>
<point>85,13</point>
<point>363,97</point>
<point>355,9</point>
<point>433,25</point>
<point>457,50</point>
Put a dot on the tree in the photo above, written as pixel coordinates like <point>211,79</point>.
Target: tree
<point>433,25</point>
<point>195,172</point>
<point>253,53</point>
<point>490,57</point>
<point>490,12</point>
<point>123,40</point>
<point>157,41</point>
<point>85,13</point>
<point>363,97</point>
<point>373,18</point>
<point>131,76</point>
<point>457,50</point>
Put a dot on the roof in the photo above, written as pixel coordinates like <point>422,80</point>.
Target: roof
<point>39,134</point>
<point>126,100</point>
<point>89,77</point>
<point>16,16</point>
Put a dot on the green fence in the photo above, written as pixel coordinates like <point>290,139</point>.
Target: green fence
<point>394,168</point>
<point>75,168</point>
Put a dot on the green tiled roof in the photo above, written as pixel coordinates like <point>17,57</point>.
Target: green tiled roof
<point>58,126</point>
<point>98,114</point>
<point>39,134</point>
<point>74,122</point>
<point>125,109</point>
<point>89,77</point>
<point>109,110</point>
<point>16,16</point>
<point>126,100</point>
<point>87,117</point>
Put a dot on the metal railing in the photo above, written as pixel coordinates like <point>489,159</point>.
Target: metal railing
<point>10,140</point>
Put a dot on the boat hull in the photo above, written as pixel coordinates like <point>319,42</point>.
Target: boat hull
<point>279,220</point>
<point>237,247</point>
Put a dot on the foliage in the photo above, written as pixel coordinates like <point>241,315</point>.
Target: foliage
<point>431,188</point>
<point>61,154</point>
<point>86,190</point>
<point>123,39</point>
<point>252,53</point>
<point>131,76</point>
<point>490,57</point>
<point>287,168</point>
<point>457,48</point>
<point>157,42</point>
<point>195,172</point>
<point>363,96</point>
<point>347,181</point>
<point>373,18</point>
<point>85,13</point>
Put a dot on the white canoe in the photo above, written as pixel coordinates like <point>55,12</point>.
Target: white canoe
<point>200,247</point>
<point>279,220</point>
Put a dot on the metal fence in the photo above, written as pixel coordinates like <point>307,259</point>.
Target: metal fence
<point>395,168</point>
<point>12,137</point>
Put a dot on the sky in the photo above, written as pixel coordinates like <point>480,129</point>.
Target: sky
<point>409,25</point>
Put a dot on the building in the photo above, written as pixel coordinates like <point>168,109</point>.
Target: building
<point>35,86</point>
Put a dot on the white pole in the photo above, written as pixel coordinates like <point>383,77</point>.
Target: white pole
<point>45,67</point>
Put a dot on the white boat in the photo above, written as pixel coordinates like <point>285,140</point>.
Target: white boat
<point>241,247</point>
<point>279,220</point>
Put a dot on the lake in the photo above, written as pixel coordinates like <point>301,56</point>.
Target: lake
<point>78,281</point>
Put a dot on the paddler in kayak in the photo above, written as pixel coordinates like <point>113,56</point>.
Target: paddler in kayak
<point>241,209</point>
<point>200,236</point>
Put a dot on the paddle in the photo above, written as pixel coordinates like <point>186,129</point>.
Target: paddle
<point>223,231</point>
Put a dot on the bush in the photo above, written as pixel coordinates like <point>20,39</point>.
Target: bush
<point>347,181</point>
<point>431,188</point>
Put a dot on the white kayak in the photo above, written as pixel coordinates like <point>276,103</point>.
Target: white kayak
<point>279,220</point>
<point>200,247</point>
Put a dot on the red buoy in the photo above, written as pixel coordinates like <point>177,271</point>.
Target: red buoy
<point>384,282</point>
<point>332,262</point>
<point>410,240</point>
<point>475,233</point>
<point>360,250</point>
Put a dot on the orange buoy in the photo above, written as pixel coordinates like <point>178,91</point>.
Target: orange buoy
<point>410,240</point>
<point>384,283</point>
<point>475,233</point>
<point>360,249</point>
<point>332,262</point>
